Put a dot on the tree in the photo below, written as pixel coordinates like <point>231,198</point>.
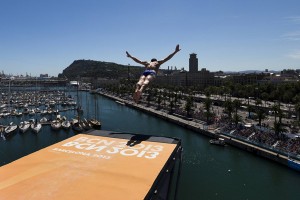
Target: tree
<point>275,108</point>
<point>236,118</point>
<point>297,109</point>
<point>159,100</point>
<point>228,106</point>
<point>148,99</point>
<point>207,104</point>
<point>171,106</point>
<point>236,105</point>
<point>287,96</point>
<point>260,115</point>
<point>188,105</point>
<point>278,129</point>
<point>265,97</point>
<point>258,102</point>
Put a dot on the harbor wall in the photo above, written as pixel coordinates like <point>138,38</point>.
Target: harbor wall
<point>200,128</point>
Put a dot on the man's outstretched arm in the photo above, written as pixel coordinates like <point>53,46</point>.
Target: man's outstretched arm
<point>135,59</point>
<point>170,56</point>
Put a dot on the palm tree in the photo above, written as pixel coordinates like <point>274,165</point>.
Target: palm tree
<point>236,118</point>
<point>261,115</point>
<point>297,109</point>
<point>280,114</point>
<point>236,104</point>
<point>159,100</point>
<point>171,105</point>
<point>276,109</point>
<point>209,91</point>
<point>258,102</point>
<point>207,105</point>
<point>148,99</point>
<point>164,96</point>
<point>278,129</point>
<point>228,106</point>
<point>188,105</point>
<point>265,97</point>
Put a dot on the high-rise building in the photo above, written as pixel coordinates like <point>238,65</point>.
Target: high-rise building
<point>193,63</point>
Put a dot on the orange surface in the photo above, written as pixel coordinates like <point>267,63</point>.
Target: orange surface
<point>85,167</point>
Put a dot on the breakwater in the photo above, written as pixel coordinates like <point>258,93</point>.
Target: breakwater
<point>212,133</point>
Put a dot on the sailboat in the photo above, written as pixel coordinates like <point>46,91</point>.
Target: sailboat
<point>56,123</point>
<point>86,124</point>
<point>96,124</point>
<point>76,126</point>
<point>24,126</point>
<point>36,126</point>
<point>65,123</point>
<point>10,129</point>
<point>43,120</point>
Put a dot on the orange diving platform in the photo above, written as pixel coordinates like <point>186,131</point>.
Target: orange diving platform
<point>96,165</point>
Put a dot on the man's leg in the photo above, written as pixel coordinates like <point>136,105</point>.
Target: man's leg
<point>140,83</point>
<point>143,86</point>
<point>146,82</point>
<point>136,95</point>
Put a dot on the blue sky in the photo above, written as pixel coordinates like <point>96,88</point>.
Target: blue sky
<point>46,36</point>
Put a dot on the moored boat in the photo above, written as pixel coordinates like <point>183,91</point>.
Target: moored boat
<point>76,126</point>
<point>66,124</point>
<point>24,126</point>
<point>43,120</point>
<point>55,124</point>
<point>219,141</point>
<point>36,126</point>
<point>86,124</point>
<point>9,130</point>
<point>95,123</point>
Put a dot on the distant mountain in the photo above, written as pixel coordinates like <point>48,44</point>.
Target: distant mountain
<point>91,68</point>
<point>101,69</point>
<point>110,70</point>
<point>250,72</point>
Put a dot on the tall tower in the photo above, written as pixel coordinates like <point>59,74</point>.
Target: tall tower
<point>193,63</point>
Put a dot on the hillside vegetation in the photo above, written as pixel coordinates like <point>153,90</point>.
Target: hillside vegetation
<point>91,68</point>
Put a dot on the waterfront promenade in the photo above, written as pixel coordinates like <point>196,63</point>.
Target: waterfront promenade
<point>212,132</point>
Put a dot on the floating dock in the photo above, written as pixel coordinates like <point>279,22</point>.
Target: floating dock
<point>96,165</point>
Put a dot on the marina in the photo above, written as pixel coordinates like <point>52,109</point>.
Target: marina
<point>208,172</point>
<point>25,110</point>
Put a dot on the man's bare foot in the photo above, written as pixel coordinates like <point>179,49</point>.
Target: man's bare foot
<point>137,96</point>
<point>134,96</point>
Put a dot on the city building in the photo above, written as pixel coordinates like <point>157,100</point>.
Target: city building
<point>43,75</point>
<point>193,77</point>
<point>204,77</point>
<point>193,63</point>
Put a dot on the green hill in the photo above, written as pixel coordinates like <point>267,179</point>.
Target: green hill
<point>91,68</point>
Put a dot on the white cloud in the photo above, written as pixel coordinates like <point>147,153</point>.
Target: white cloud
<point>294,55</point>
<point>294,19</point>
<point>295,36</point>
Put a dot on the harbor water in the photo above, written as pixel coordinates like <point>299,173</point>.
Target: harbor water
<point>208,171</point>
